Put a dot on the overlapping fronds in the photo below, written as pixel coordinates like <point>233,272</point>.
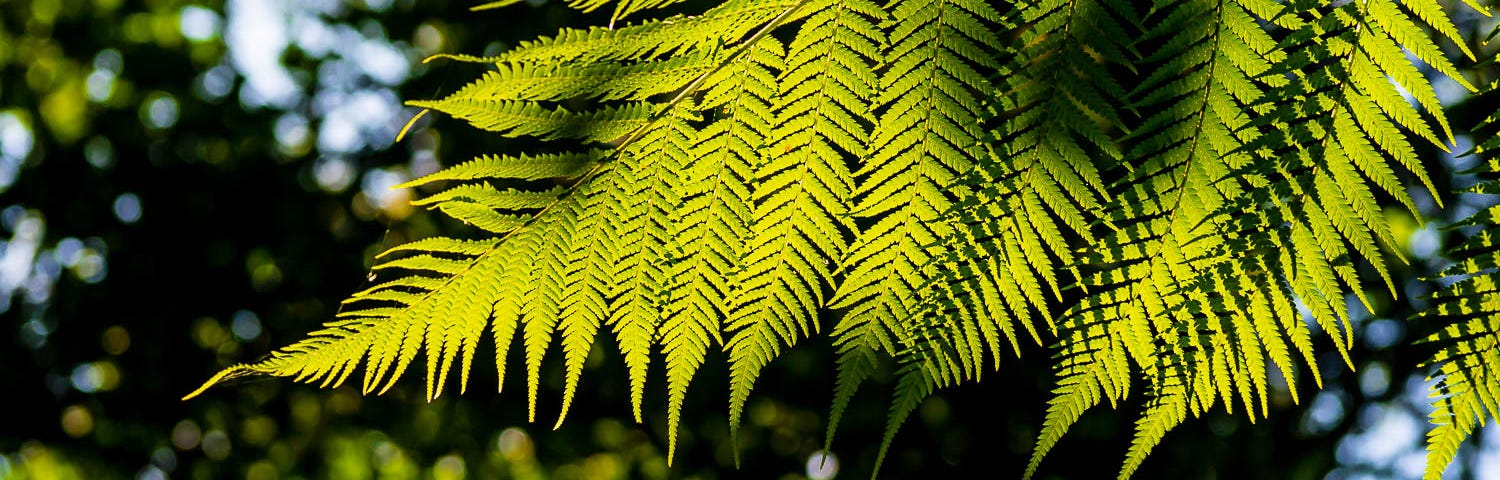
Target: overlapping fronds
<point>800,222</point>
<point>917,153</point>
<point>1155,192</point>
<point>1031,191</point>
<point>1175,287</point>
<point>578,242</point>
<point>1337,132</point>
<point>713,222</point>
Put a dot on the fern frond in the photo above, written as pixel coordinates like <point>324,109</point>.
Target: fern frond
<point>1175,286</point>
<point>566,260</point>
<point>1466,363</point>
<point>585,273</point>
<point>1335,125</point>
<point>712,224</point>
<point>548,261</point>
<point>603,80</point>
<point>1151,195</point>
<point>639,273</point>
<point>991,266</point>
<point>803,188</point>
<point>1022,198</point>
<point>1163,414</point>
<point>517,118</point>
<point>927,133</point>
<point>523,167</point>
<point>722,25</point>
<point>388,339</point>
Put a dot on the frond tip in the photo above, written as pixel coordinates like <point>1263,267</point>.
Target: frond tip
<point>225,375</point>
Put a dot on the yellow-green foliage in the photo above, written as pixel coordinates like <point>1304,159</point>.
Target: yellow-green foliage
<point>1154,191</point>
<point>1466,363</point>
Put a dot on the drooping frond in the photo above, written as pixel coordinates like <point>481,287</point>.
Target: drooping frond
<point>385,326</point>
<point>927,134</point>
<point>1466,363</point>
<point>1155,193</point>
<point>800,222</point>
<point>1027,192</point>
<point>564,261</point>
<point>1220,215</point>
<point>712,224</point>
<point>1180,282</point>
<point>638,280</point>
<point>1335,131</point>
<point>1035,187</point>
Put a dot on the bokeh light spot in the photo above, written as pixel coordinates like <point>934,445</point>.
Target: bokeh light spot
<point>514,444</point>
<point>291,133</point>
<point>99,153</point>
<point>164,458</point>
<point>151,472</point>
<point>264,274</point>
<point>245,325</point>
<point>1382,333</point>
<point>95,377</point>
<point>77,421</point>
<point>128,208</point>
<point>215,83</point>
<point>1374,379</point>
<point>334,174</point>
<point>1327,411</point>
<point>428,38</point>
<point>377,187</point>
<point>186,435</point>
<point>822,465</point>
<point>216,445</point>
<point>258,431</point>
<point>115,340</point>
<point>91,267</point>
<point>68,251</point>
<point>262,470</point>
<point>449,467</point>
<point>159,111</point>
<point>16,141</point>
<point>100,85</point>
<point>1425,242</point>
<point>207,333</point>
<point>199,24</point>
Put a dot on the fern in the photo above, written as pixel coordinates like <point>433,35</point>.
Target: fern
<point>1149,191</point>
<point>802,189</point>
<point>714,221</point>
<point>926,134</point>
<point>1465,362</point>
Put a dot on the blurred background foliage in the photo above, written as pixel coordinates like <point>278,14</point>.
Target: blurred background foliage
<point>185,185</point>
